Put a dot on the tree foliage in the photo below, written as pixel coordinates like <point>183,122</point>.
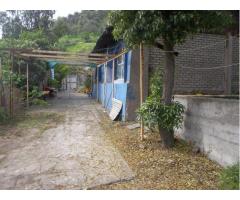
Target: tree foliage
<point>173,26</point>
<point>14,22</point>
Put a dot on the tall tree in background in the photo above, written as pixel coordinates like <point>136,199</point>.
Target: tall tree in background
<point>170,27</point>
<point>14,22</point>
<point>86,21</point>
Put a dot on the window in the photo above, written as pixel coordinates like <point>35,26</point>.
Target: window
<point>119,69</point>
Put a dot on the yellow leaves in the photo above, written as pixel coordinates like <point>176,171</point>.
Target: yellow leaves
<point>158,168</point>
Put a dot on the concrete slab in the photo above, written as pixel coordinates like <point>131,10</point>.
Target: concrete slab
<point>74,155</point>
<point>133,126</point>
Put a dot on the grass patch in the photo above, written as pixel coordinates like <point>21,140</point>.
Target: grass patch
<point>229,178</point>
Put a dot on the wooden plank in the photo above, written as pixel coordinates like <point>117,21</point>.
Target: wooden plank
<point>116,108</point>
<point>70,62</point>
<point>62,57</point>
<point>114,57</point>
<point>72,53</point>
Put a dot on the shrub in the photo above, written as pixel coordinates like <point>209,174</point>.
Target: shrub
<point>155,114</point>
<point>35,93</point>
<point>54,83</point>
<point>39,102</point>
<point>229,178</point>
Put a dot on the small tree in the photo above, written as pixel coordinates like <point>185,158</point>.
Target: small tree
<point>172,27</point>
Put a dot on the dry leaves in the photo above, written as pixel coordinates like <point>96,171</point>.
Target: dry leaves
<point>158,168</point>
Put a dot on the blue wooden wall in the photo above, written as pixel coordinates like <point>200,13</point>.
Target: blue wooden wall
<point>120,88</point>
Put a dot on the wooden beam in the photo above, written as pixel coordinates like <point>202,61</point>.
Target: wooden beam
<point>72,53</point>
<point>113,57</point>
<point>61,57</point>
<point>141,86</point>
<point>70,62</point>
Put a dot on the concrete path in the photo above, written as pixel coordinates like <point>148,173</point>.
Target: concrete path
<point>74,155</point>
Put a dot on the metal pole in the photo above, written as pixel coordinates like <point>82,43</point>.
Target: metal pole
<point>141,87</point>
<point>27,87</point>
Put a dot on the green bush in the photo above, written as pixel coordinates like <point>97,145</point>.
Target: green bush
<point>35,93</point>
<point>39,102</point>
<point>19,81</point>
<point>154,113</point>
<point>229,178</point>
<point>53,83</point>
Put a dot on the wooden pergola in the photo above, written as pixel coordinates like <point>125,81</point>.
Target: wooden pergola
<point>61,57</point>
<point>70,58</point>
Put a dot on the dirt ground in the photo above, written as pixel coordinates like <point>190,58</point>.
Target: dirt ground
<point>158,168</point>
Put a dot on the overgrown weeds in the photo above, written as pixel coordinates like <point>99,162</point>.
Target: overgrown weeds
<point>229,178</point>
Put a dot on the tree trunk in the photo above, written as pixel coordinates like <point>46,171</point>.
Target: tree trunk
<point>168,84</point>
<point>168,77</point>
<point>167,137</point>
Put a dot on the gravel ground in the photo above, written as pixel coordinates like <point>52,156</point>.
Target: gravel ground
<point>158,168</point>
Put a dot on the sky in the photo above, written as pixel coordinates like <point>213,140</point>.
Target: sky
<point>64,13</point>
<point>59,13</point>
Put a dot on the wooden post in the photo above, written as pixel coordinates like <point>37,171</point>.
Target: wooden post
<point>1,82</point>
<point>97,82</point>
<point>92,83</point>
<point>113,72</point>
<point>11,87</point>
<point>141,87</point>
<point>105,84</point>
<point>19,67</point>
<point>27,74</point>
<point>0,69</point>
<point>228,63</point>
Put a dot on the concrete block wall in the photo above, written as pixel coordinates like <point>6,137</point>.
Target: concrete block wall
<point>212,124</point>
<point>201,50</point>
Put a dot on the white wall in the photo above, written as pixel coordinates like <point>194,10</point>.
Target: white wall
<point>212,124</point>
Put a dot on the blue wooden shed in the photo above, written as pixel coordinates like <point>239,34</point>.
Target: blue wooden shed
<point>118,78</point>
